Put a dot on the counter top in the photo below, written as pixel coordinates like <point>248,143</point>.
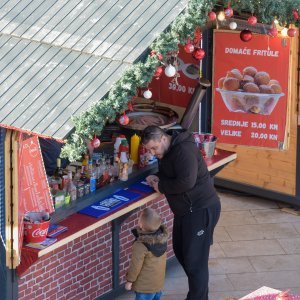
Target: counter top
<point>80,224</point>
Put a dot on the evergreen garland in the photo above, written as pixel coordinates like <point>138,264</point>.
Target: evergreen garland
<point>140,74</point>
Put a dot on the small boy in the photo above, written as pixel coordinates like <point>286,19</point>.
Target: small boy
<point>146,273</point>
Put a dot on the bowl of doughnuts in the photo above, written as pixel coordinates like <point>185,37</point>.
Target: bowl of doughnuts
<point>249,91</point>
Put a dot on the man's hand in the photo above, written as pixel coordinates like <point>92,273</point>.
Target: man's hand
<point>128,286</point>
<point>155,186</point>
<point>152,179</point>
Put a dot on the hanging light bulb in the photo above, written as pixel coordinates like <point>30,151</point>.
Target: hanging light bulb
<point>221,16</point>
<point>275,21</point>
<point>284,32</point>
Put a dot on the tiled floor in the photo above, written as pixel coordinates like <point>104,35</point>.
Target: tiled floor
<point>256,244</point>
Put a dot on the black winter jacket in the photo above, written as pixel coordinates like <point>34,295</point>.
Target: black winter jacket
<point>184,178</point>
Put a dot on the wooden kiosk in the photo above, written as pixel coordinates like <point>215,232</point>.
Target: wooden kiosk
<point>91,258</point>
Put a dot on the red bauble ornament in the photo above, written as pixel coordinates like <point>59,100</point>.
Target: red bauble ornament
<point>228,12</point>
<point>252,20</point>
<point>152,52</point>
<point>160,56</point>
<point>189,47</point>
<point>273,32</point>
<point>295,14</point>
<point>124,119</point>
<point>158,71</point>
<point>246,35</point>
<point>199,53</point>
<point>212,15</point>
<point>291,32</point>
<point>95,142</point>
<point>129,105</point>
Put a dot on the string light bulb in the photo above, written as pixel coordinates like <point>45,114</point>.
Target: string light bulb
<point>221,16</point>
<point>284,32</point>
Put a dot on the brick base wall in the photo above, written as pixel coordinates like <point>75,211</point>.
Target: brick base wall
<point>82,269</point>
<point>126,237</point>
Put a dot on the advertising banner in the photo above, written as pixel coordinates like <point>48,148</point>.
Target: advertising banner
<point>250,89</point>
<point>165,88</point>
<point>34,193</point>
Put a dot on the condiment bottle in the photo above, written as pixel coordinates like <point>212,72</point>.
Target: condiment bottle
<point>84,165</point>
<point>134,148</point>
<point>123,166</point>
<point>124,147</point>
<point>117,144</point>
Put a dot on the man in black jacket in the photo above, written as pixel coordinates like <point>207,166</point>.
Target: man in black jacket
<point>185,181</point>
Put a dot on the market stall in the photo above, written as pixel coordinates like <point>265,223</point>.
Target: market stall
<point>105,240</point>
<point>73,70</point>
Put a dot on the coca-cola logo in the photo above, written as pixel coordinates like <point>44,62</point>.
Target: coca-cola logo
<point>39,232</point>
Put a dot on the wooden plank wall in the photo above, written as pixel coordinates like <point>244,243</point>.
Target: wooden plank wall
<point>270,169</point>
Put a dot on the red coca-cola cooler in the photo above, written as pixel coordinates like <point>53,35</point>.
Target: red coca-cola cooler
<point>36,227</point>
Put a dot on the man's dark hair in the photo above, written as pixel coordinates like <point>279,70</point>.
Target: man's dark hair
<point>152,133</point>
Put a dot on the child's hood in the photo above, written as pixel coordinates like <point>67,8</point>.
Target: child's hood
<point>156,242</point>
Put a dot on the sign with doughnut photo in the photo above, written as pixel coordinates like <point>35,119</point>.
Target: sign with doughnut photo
<point>250,89</point>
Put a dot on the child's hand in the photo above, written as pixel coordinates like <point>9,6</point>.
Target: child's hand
<point>128,286</point>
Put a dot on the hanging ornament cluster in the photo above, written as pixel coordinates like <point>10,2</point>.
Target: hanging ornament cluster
<point>194,47</point>
<point>246,34</point>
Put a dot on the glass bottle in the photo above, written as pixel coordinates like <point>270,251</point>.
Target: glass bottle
<point>123,167</point>
<point>58,173</point>
<point>93,183</point>
<point>71,188</point>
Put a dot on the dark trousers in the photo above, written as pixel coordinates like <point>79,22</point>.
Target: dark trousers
<point>192,237</point>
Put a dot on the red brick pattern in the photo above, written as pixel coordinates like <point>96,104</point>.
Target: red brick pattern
<point>82,269</point>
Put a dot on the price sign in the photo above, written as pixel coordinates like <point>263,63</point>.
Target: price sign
<point>250,90</point>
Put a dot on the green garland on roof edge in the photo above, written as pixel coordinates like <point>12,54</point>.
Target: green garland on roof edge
<point>140,74</point>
